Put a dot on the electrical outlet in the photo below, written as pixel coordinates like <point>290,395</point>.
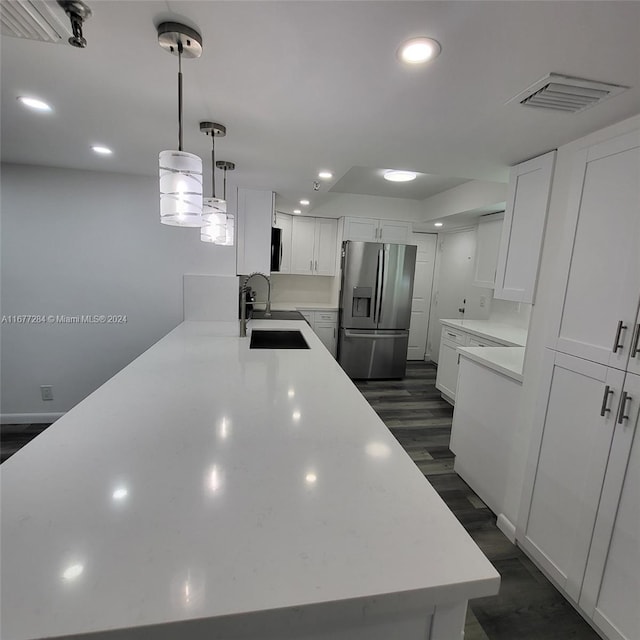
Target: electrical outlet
<point>46,391</point>
<point>483,302</point>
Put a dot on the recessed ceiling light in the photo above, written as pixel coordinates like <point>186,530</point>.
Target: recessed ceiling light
<point>297,211</point>
<point>325,175</point>
<point>103,151</point>
<point>418,50</point>
<point>437,224</point>
<point>400,176</point>
<point>35,104</point>
<point>304,202</point>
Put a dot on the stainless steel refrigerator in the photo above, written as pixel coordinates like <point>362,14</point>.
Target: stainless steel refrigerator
<point>375,308</point>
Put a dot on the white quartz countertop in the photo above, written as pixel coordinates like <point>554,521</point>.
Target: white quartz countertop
<point>207,479</point>
<point>506,360</point>
<point>511,336</point>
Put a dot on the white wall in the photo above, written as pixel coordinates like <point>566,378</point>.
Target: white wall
<point>84,242</point>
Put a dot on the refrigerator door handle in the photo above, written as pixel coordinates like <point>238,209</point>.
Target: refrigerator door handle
<point>378,299</point>
<point>388,335</point>
<point>381,259</point>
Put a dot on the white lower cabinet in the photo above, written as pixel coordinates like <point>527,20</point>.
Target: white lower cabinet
<point>580,516</point>
<point>450,340</point>
<point>325,326</point>
<point>611,590</point>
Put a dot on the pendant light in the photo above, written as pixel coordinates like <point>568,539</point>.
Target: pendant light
<point>180,172</point>
<point>217,224</point>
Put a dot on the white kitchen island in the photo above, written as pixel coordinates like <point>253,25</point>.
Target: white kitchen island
<point>213,491</point>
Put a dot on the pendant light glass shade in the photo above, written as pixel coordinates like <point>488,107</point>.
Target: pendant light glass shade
<point>217,225</point>
<point>180,189</point>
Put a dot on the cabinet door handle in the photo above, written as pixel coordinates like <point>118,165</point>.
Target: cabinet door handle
<point>623,403</point>
<point>607,392</point>
<point>616,342</point>
<point>316,265</point>
<point>310,265</point>
<point>334,332</point>
<point>635,349</point>
<point>453,335</point>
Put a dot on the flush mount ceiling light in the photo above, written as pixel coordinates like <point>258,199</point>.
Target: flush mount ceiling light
<point>180,172</point>
<point>35,104</point>
<point>419,50</point>
<point>394,175</point>
<point>325,175</point>
<point>101,150</point>
<point>437,224</point>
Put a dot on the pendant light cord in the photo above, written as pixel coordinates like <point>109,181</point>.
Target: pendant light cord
<point>179,95</point>
<point>213,163</point>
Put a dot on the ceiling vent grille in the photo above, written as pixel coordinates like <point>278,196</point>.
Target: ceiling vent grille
<point>34,20</point>
<point>565,93</point>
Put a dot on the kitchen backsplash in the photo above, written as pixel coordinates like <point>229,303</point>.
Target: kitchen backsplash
<point>289,288</point>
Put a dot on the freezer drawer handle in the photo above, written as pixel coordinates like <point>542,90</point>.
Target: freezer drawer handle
<point>623,404</point>
<point>381,336</point>
<point>607,392</point>
<point>635,349</point>
<point>616,342</point>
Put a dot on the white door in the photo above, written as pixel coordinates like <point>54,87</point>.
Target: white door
<point>455,260</point>
<point>422,287</point>
<point>395,232</point>
<point>326,238</point>
<point>603,285</point>
<point>612,580</point>
<point>302,243</point>
<point>568,457</point>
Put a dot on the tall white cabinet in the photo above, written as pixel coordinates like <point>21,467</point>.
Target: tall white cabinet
<point>581,502</point>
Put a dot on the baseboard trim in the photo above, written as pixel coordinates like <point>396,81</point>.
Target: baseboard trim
<point>507,527</point>
<point>29,418</point>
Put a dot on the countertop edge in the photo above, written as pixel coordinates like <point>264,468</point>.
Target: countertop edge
<point>479,355</point>
<point>458,324</point>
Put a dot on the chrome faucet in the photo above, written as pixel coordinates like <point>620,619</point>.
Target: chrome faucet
<point>243,301</point>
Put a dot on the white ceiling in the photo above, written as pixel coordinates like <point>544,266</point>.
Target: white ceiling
<point>309,85</point>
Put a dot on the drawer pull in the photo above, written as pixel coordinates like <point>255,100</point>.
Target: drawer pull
<point>604,409</point>
<point>623,404</point>
<point>453,335</point>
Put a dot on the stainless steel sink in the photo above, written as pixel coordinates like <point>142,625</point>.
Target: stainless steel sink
<point>277,339</point>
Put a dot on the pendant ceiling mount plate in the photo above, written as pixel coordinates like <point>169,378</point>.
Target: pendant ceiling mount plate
<point>214,129</point>
<point>172,34</point>
<point>225,165</point>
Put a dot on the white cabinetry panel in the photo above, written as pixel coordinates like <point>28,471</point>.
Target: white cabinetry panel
<point>600,301</point>
<point>394,232</point>
<point>284,222</point>
<point>326,238</point>
<point>523,229</point>
<point>374,230</point>
<point>255,216</point>
<point>568,457</point>
<point>612,580</point>
<point>302,242</point>
<point>447,377</point>
<point>487,247</point>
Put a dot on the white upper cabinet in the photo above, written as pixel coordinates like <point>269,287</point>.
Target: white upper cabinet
<point>374,230</point>
<point>313,246</point>
<point>487,246</point>
<point>284,223</point>
<point>255,216</point>
<point>523,229</point>
<point>600,278</point>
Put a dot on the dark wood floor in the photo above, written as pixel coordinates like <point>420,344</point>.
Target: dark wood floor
<point>528,606</point>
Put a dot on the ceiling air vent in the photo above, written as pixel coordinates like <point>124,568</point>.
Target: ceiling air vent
<point>34,20</point>
<point>565,93</point>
